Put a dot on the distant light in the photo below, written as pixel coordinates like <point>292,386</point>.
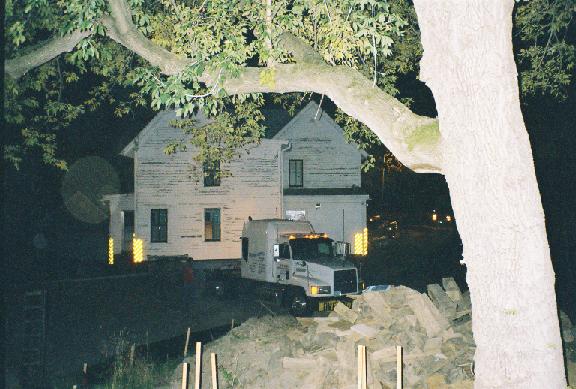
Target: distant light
<point>434,217</point>
<point>110,251</point>
<point>448,218</point>
<point>313,290</point>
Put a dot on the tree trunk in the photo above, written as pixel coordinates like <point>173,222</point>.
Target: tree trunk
<point>487,161</point>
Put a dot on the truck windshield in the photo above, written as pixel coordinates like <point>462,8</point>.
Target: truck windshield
<point>303,248</point>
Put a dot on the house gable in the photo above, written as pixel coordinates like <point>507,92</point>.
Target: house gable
<point>319,150</point>
<point>313,123</point>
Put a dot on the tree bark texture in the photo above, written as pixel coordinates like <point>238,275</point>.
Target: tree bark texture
<point>487,161</point>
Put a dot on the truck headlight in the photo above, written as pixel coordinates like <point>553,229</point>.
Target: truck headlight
<point>325,289</point>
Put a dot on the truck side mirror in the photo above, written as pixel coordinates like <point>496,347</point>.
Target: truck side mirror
<point>276,251</point>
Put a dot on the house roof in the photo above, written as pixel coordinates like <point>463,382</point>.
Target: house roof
<point>278,123</point>
<point>163,117</point>
<point>324,191</point>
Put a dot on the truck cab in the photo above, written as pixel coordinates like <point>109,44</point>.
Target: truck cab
<point>308,268</point>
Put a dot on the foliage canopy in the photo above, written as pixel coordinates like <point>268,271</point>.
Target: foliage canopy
<point>220,38</point>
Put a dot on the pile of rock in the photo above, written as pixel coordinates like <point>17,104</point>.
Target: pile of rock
<point>434,329</point>
<point>320,352</point>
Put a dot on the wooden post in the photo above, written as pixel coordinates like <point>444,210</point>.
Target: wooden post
<point>362,373</point>
<point>214,370</point>
<point>198,365</point>
<point>187,341</point>
<point>85,374</point>
<point>132,350</point>
<point>398,367</point>
<point>364,369</point>
<point>185,370</point>
<point>232,325</point>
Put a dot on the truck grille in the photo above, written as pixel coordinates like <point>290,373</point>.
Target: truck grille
<point>345,281</point>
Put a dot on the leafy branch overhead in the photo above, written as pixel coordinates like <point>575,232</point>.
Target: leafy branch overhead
<point>215,56</point>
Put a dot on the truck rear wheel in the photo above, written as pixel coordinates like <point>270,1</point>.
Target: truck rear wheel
<point>298,303</point>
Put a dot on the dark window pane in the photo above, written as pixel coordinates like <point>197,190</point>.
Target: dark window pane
<point>245,249</point>
<point>284,251</point>
<point>211,173</point>
<point>296,172</point>
<point>212,224</point>
<point>158,225</point>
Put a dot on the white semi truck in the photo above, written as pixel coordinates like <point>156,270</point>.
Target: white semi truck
<point>300,268</point>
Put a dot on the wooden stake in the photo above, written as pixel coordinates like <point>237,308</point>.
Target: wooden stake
<point>85,374</point>
<point>214,370</point>
<point>132,349</point>
<point>359,372</point>
<point>364,369</point>
<point>187,341</point>
<point>198,365</point>
<point>232,325</point>
<point>362,373</point>
<point>398,367</point>
<point>185,370</point>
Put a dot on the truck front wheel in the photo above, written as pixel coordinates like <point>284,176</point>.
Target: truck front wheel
<point>298,303</point>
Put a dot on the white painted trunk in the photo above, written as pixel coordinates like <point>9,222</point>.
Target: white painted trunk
<point>487,161</point>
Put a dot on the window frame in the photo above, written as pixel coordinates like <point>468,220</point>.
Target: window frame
<point>206,210</point>
<point>211,177</point>
<point>154,223</point>
<point>290,170</point>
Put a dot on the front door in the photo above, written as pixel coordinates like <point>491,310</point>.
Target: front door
<point>127,231</point>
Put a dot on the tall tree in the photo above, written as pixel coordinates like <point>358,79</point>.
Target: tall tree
<point>487,161</point>
<point>219,56</point>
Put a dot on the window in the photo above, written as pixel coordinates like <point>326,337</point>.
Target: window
<point>295,172</point>
<point>284,251</point>
<point>212,224</point>
<point>295,215</point>
<point>158,225</point>
<point>211,173</point>
<point>245,249</point>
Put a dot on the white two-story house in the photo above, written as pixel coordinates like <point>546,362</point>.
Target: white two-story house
<point>305,171</point>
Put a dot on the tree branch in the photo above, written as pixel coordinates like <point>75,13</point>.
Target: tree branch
<point>120,28</point>
<point>413,139</point>
<point>42,53</point>
<point>301,51</point>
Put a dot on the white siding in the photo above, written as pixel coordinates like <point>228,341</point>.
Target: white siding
<point>329,162</point>
<point>340,216</point>
<point>172,182</point>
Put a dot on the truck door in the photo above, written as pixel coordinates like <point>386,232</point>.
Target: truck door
<point>282,263</point>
